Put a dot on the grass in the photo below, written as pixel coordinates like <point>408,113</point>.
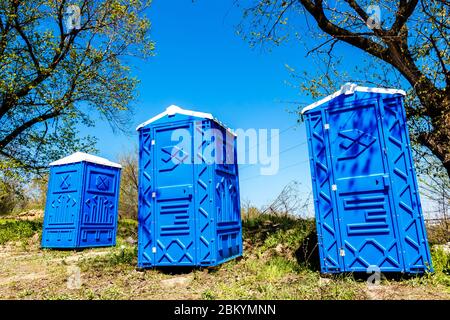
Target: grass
<point>441,274</point>
<point>276,268</point>
<point>15,230</point>
<point>127,228</point>
<point>123,256</point>
<point>439,233</point>
<point>280,278</point>
<point>275,265</point>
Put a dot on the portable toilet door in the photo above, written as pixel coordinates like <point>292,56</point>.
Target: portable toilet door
<point>82,202</point>
<point>366,198</point>
<point>189,206</point>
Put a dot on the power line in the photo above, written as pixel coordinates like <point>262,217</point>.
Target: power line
<point>270,138</point>
<point>280,170</point>
<point>293,147</point>
<point>281,152</point>
<point>294,165</point>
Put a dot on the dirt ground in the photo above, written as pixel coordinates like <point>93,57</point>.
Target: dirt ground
<point>267,270</point>
<point>27,272</point>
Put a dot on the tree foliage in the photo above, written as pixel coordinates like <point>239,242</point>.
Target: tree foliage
<point>409,44</point>
<point>53,80</point>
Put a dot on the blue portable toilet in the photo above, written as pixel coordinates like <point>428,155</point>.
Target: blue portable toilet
<point>189,206</point>
<point>82,202</point>
<point>366,199</point>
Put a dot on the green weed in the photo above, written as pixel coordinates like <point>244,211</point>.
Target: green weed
<point>121,256</point>
<point>11,230</point>
<point>276,268</point>
<point>127,228</point>
<point>111,293</point>
<point>208,295</point>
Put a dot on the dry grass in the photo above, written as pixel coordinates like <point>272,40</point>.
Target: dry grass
<point>272,268</point>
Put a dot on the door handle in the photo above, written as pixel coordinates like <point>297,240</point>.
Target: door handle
<point>386,181</point>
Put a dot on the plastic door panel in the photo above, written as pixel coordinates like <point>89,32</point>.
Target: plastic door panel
<point>361,184</point>
<point>99,208</point>
<point>174,226</point>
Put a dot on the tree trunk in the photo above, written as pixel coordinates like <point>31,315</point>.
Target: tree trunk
<point>438,140</point>
<point>441,152</point>
<point>447,166</point>
<point>435,105</point>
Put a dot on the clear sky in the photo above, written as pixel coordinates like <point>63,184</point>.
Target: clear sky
<point>201,64</point>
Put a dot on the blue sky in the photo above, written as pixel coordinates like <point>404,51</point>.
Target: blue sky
<point>201,64</point>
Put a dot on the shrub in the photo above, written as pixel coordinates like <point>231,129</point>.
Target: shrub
<point>18,230</point>
<point>12,196</point>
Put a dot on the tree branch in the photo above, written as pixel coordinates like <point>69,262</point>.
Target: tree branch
<point>21,163</point>
<point>29,46</point>
<point>396,53</point>
<point>286,7</point>
<point>355,39</point>
<point>26,125</point>
<point>441,60</point>
<point>405,10</point>
<point>64,47</point>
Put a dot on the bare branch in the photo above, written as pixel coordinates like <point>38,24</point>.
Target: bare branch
<point>357,40</point>
<point>405,10</point>
<point>26,125</point>
<point>29,46</point>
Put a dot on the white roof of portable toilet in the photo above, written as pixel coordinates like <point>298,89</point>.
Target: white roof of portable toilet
<point>350,88</point>
<point>81,156</point>
<point>173,109</point>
